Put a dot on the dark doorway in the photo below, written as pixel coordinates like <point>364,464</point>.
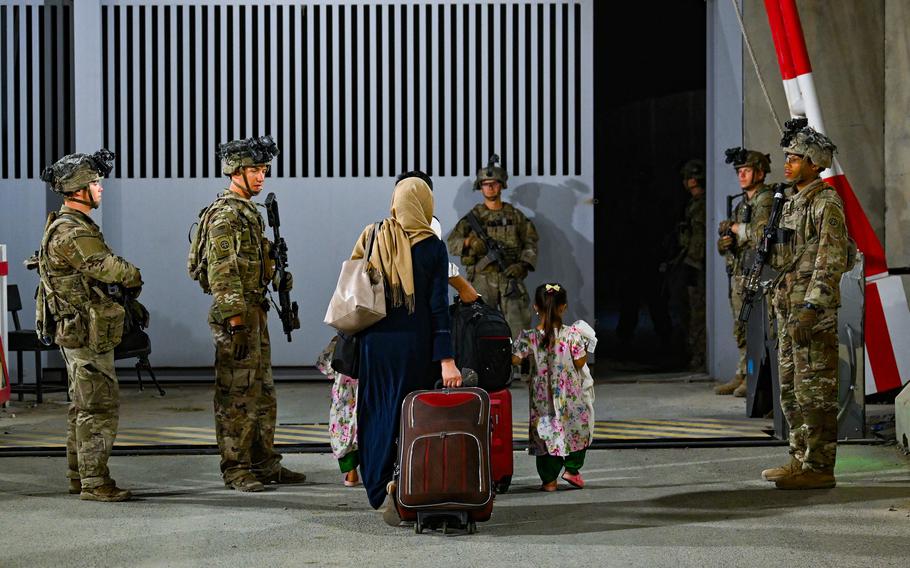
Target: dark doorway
<point>650,80</point>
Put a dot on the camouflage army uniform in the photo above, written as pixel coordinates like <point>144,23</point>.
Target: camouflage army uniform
<point>692,240</point>
<point>811,263</point>
<point>737,259</point>
<point>245,403</point>
<point>75,265</point>
<point>518,237</point>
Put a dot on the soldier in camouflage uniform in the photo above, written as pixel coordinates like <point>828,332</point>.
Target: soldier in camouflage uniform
<point>234,266</point>
<point>517,236</point>
<point>739,237</point>
<point>75,266</point>
<point>691,257</point>
<point>811,254</point>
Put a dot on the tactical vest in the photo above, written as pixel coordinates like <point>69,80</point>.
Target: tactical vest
<point>70,307</point>
<point>502,226</point>
<point>253,250</point>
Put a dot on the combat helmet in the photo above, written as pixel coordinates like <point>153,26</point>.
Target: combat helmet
<point>694,169</point>
<point>75,172</point>
<point>492,171</point>
<point>254,151</point>
<point>742,158</point>
<point>803,140</point>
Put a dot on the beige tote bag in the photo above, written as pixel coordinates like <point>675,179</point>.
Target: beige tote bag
<point>358,302</point>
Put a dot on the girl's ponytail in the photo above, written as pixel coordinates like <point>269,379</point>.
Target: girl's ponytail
<point>549,298</point>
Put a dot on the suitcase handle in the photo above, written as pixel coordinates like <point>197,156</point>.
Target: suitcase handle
<point>469,378</point>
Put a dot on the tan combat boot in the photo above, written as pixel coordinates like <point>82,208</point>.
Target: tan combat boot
<point>246,483</point>
<point>107,493</point>
<point>730,387</point>
<point>777,473</point>
<point>742,390</point>
<point>283,476</point>
<point>807,479</point>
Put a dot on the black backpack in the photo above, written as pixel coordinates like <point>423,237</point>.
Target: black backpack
<point>483,343</point>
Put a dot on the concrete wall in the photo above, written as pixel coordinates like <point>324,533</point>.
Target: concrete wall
<point>724,130</point>
<point>897,135</point>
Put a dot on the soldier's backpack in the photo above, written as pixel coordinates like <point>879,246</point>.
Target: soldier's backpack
<point>196,262</point>
<point>483,342</point>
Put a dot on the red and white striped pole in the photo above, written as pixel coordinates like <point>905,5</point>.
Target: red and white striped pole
<point>4,368</point>
<point>887,322</point>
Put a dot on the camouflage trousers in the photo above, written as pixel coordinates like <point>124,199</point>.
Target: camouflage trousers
<point>808,390</point>
<point>245,403</point>
<point>494,286</point>
<point>739,330</point>
<point>93,414</point>
<point>697,323</point>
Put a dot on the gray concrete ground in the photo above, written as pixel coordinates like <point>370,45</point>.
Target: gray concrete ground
<point>641,508</point>
<point>685,507</point>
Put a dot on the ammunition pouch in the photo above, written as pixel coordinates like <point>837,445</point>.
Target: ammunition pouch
<point>105,324</point>
<point>71,331</point>
<point>268,262</point>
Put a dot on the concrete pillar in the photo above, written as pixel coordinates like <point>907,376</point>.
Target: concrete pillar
<point>724,130</point>
<point>897,135</point>
<point>87,82</point>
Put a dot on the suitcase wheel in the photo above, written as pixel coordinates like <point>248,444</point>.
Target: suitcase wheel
<point>472,527</point>
<point>418,527</point>
<point>503,485</point>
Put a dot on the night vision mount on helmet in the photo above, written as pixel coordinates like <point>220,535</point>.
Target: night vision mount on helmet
<point>742,158</point>
<point>803,140</point>
<point>74,172</point>
<point>249,152</point>
<point>492,171</point>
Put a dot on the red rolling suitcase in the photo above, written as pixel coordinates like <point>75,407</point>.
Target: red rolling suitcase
<point>443,472</point>
<point>501,460</point>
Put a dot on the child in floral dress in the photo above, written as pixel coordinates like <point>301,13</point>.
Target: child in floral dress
<point>342,416</point>
<point>561,425</point>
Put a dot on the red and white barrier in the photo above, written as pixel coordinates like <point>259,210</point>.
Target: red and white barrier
<point>4,367</point>
<point>887,322</point>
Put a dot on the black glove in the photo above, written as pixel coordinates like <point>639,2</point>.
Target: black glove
<point>139,314</point>
<point>285,284</point>
<point>724,244</point>
<point>518,270</point>
<point>240,342</point>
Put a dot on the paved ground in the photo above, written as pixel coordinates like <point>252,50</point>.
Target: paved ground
<point>685,507</point>
<point>641,508</point>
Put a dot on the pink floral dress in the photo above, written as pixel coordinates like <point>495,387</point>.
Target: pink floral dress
<point>560,420</point>
<point>343,410</point>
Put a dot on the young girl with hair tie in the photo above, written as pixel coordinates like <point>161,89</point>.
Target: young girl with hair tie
<point>561,426</point>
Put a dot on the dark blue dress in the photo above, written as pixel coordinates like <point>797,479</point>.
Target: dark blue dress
<point>398,355</point>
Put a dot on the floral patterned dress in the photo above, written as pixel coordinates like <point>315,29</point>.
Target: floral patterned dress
<point>343,410</point>
<point>560,420</point>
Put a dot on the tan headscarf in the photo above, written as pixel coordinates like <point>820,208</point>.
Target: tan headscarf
<point>411,212</point>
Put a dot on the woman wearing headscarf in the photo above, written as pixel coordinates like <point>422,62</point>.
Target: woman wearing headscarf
<point>404,351</point>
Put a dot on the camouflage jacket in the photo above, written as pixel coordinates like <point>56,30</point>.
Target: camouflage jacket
<point>237,255</point>
<point>692,238</point>
<point>515,233</point>
<point>815,253</point>
<point>757,210</point>
<point>73,262</point>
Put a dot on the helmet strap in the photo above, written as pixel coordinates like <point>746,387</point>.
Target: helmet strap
<point>247,192</point>
<point>91,200</point>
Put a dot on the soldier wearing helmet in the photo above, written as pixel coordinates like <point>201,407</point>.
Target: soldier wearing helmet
<point>230,258</point>
<point>500,281</point>
<point>739,236</point>
<point>75,266</point>
<point>811,254</point>
<point>691,258</point>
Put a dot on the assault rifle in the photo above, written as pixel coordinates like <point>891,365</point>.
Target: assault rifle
<point>753,277</point>
<point>729,233</point>
<point>494,252</point>
<point>287,310</point>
